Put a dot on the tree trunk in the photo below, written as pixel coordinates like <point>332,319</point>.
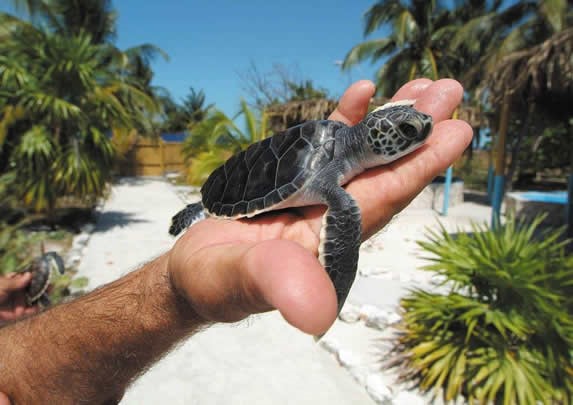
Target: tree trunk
<point>474,144</point>
<point>570,182</point>
<point>499,180</point>
<point>521,135</point>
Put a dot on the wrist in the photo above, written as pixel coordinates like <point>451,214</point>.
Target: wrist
<point>177,310</point>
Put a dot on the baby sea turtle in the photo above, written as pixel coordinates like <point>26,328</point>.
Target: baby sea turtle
<point>41,269</point>
<point>307,165</point>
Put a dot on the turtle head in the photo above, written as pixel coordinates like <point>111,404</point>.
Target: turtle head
<point>53,262</point>
<point>394,130</point>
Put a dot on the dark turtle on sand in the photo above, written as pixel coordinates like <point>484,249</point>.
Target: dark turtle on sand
<point>41,269</point>
<point>307,165</point>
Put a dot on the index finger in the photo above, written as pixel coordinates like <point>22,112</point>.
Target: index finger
<point>353,104</point>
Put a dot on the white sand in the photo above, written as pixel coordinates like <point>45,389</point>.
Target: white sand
<point>262,360</point>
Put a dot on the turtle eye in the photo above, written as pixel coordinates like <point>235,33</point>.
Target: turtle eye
<point>409,131</point>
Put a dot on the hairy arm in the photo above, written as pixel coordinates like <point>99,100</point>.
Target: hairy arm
<point>90,349</point>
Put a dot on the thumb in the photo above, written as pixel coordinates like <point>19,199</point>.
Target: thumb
<point>228,282</point>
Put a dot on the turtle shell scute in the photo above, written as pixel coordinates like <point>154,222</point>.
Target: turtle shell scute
<point>270,171</point>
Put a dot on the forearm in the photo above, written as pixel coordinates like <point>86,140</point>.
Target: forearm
<point>90,349</point>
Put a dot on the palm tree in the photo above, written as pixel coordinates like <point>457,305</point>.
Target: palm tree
<point>522,26</point>
<point>61,92</point>
<point>194,108</point>
<point>305,90</point>
<point>218,137</point>
<point>181,117</point>
<point>415,47</point>
<point>65,17</point>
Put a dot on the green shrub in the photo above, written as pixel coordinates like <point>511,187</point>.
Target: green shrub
<point>503,332</point>
<point>16,248</point>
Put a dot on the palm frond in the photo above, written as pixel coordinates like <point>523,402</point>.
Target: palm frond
<point>381,13</point>
<point>554,12</point>
<point>368,49</point>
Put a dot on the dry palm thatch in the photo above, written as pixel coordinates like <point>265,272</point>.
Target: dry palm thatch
<point>286,115</point>
<point>541,73</point>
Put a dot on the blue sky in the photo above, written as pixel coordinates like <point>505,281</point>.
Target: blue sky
<point>211,41</point>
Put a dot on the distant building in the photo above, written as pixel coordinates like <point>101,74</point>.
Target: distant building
<point>174,137</point>
<point>155,157</point>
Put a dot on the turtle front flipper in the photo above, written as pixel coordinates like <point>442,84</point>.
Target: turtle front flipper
<point>186,217</point>
<point>340,241</point>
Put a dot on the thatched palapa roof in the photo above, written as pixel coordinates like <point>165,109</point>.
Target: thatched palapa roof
<point>286,115</point>
<point>543,73</point>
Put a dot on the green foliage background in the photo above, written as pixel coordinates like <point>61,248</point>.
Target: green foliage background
<point>504,331</point>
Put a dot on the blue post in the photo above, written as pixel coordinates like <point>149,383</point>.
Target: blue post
<point>498,186</point>
<point>447,188</point>
<point>490,173</point>
<point>570,206</point>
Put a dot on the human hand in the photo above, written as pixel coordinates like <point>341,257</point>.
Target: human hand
<point>13,298</point>
<point>228,270</point>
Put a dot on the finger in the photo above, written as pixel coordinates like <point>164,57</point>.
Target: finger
<point>228,282</point>
<point>31,310</point>
<point>15,282</point>
<point>7,313</point>
<point>353,104</point>
<point>4,400</point>
<point>19,305</point>
<point>412,90</point>
<point>440,99</point>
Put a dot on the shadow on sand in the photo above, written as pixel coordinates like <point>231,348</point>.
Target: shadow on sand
<point>111,219</point>
<point>477,197</point>
<point>136,181</point>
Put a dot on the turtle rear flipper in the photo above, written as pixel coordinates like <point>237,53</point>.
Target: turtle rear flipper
<point>340,241</point>
<point>186,217</point>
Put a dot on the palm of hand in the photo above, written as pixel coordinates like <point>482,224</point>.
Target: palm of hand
<point>230,269</point>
